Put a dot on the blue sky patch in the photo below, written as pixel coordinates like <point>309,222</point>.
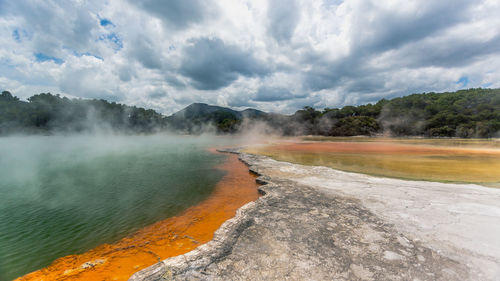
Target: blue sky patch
<point>19,34</point>
<point>16,35</point>
<point>40,57</point>
<point>464,81</point>
<point>106,22</point>
<point>88,54</point>
<point>113,38</point>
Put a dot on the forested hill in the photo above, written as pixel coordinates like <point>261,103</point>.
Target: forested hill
<point>465,113</point>
<point>47,113</point>
<point>200,116</point>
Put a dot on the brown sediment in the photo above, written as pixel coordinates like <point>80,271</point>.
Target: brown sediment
<point>392,159</point>
<point>170,237</point>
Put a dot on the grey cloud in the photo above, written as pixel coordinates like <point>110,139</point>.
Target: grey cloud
<point>388,30</point>
<point>377,31</point>
<point>174,81</point>
<point>241,100</point>
<point>330,74</point>
<point>52,30</point>
<point>157,94</point>
<point>310,100</point>
<point>144,52</point>
<point>178,14</point>
<point>4,8</point>
<point>82,83</point>
<point>270,94</point>
<point>211,64</point>
<point>453,53</point>
<point>329,3</point>
<point>366,85</point>
<point>125,74</point>
<point>283,17</point>
<point>82,27</point>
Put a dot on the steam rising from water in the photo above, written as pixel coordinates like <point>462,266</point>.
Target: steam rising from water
<point>62,195</point>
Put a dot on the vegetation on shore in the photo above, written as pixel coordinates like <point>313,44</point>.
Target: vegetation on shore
<point>47,113</point>
<point>465,113</point>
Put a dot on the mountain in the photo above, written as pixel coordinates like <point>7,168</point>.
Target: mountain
<point>202,110</point>
<point>253,113</point>
<point>199,116</point>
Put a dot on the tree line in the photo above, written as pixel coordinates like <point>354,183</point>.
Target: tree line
<point>471,113</point>
<point>465,113</point>
<point>46,113</point>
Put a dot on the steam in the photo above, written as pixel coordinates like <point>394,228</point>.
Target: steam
<point>24,158</point>
<point>253,132</point>
<point>396,124</point>
<point>53,114</point>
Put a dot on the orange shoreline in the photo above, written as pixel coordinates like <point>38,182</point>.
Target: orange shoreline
<point>170,237</point>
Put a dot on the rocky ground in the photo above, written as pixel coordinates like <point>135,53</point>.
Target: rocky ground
<point>315,223</point>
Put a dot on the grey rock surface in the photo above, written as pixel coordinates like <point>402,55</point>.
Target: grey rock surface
<point>297,232</point>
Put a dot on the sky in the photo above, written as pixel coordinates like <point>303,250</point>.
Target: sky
<point>275,55</point>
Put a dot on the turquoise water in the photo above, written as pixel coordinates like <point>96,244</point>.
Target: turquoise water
<point>62,195</point>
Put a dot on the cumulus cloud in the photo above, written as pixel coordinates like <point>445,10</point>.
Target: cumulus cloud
<point>271,54</point>
<point>52,26</point>
<point>283,16</point>
<point>272,94</point>
<point>179,14</point>
<point>144,51</point>
<point>211,64</point>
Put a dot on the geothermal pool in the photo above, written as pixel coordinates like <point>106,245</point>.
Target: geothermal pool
<point>445,160</point>
<point>66,195</point>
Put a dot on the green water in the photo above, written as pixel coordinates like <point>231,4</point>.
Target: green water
<point>66,195</point>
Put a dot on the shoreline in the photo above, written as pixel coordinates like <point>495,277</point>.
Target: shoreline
<point>374,238</point>
<point>170,237</point>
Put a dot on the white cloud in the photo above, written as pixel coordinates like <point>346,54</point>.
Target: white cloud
<point>274,55</point>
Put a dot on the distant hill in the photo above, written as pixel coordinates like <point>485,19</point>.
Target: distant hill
<point>202,110</point>
<point>465,113</point>
<point>253,113</point>
<point>199,116</point>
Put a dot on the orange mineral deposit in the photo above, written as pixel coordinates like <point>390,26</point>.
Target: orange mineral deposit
<point>417,159</point>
